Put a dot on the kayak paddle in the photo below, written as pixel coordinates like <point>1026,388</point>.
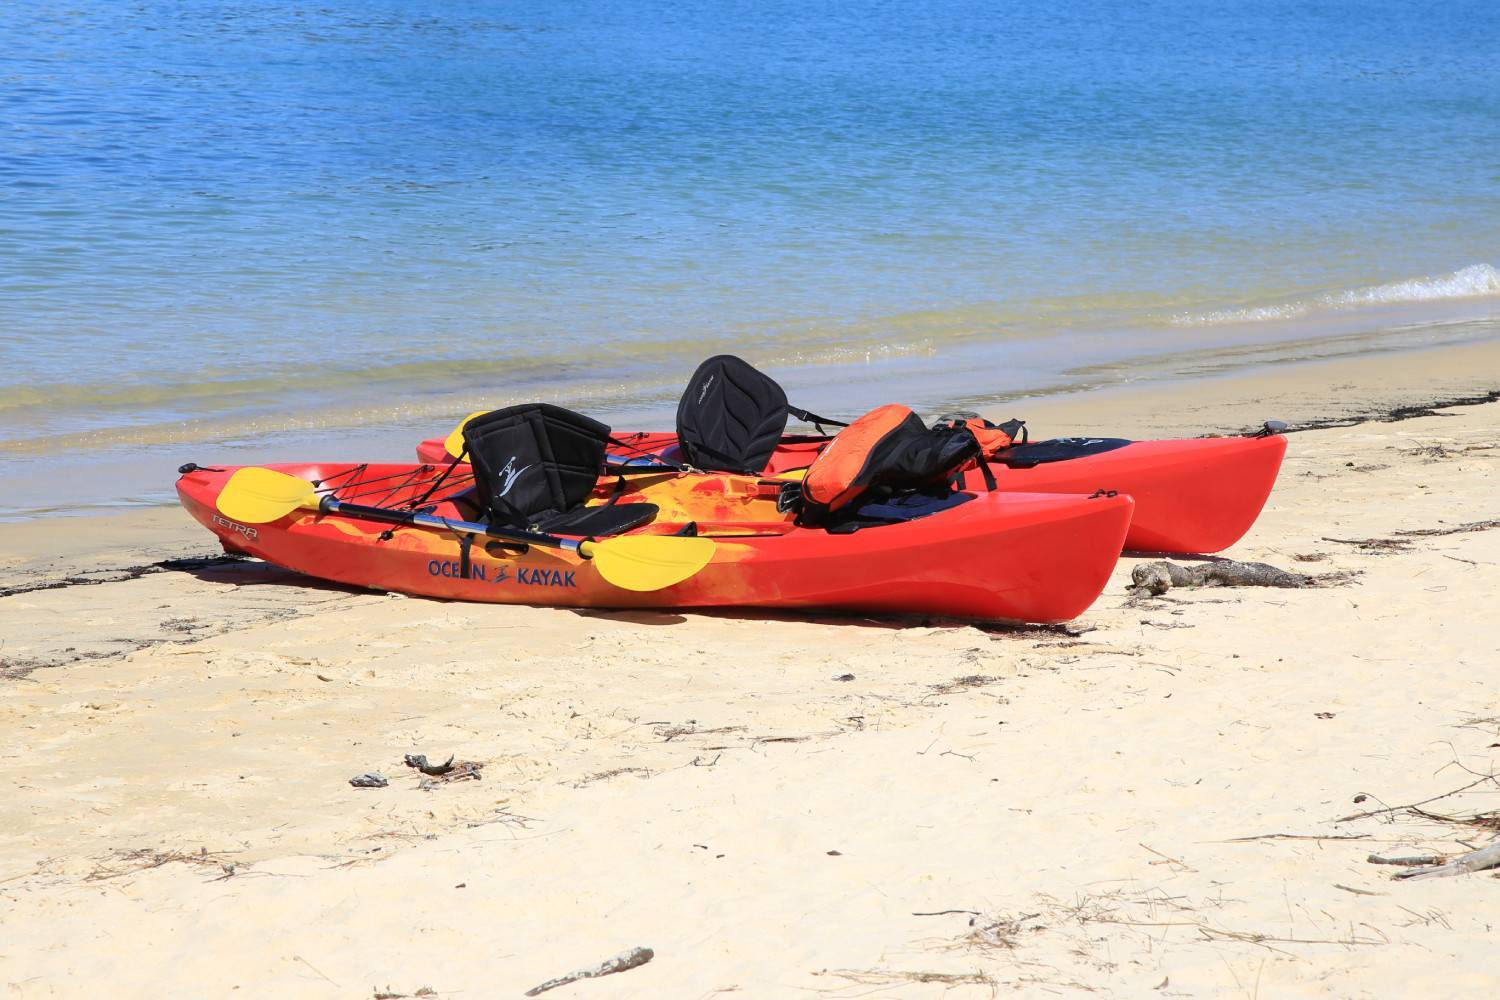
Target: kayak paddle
<point>454,443</point>
<point>256,495</point>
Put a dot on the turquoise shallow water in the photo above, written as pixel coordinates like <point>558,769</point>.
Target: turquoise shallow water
<point>251,225</point>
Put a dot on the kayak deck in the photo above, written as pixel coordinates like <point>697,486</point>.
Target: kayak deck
<point>1193,495</point>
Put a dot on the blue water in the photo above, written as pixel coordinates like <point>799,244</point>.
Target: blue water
<point>228,221</point>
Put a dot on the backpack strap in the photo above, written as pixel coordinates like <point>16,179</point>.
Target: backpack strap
<point>986,474</point>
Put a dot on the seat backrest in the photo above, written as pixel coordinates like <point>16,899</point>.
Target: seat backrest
<point>730,417</point>
<point>533,461</point>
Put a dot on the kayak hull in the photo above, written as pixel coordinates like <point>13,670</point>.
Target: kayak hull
<point>999,556</point>
<point>1194,495</point>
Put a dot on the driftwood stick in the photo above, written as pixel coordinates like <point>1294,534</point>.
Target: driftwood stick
<point>1474,861</point>
<point>620,963</point>
<point>1421,859</point>
<point>1155,578</point>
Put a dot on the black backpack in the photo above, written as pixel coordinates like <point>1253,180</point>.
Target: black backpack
<point>882,455</point>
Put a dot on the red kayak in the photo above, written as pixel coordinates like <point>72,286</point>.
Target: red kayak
<point>1191,495</point>
<point>986,555</point>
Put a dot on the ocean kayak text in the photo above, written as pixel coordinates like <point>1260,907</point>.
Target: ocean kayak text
<point>524,576</point>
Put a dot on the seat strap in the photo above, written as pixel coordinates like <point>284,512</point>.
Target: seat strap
<point>808,417</point>
<point>464,544</point>
<point>660,460</point>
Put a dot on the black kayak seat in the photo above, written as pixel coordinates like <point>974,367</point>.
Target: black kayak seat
<point>730,417</point>
<point>597,522</point>
<point>536,465</point>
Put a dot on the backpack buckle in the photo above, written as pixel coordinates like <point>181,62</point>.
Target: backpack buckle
<point>789,497</point>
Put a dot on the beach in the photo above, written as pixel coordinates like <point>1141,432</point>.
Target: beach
<point>1171,796</point>
<point>236,234</point>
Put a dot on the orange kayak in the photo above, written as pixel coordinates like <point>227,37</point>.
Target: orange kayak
<point>1029,557</point>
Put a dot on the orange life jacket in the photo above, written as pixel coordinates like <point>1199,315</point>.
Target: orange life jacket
<point>888,448</point>
<point>992,438</point>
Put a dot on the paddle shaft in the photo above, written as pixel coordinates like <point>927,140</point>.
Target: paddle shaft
<point>328,505</point>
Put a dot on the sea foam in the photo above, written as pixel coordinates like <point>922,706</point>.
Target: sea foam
<point>1474,281</point>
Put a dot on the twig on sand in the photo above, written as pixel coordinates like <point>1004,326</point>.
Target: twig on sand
<point>944,913</point>
<point>670,733</point>
<point>1454,529</point>
<point>1485,821</point>
<point>1421,859</point>
<point>1116,908</point>
<point>1412,805</point>
<point>1166,859</point>
<point>1475,861</point>
<point>643,772</point>
<point>883,977</point>
<point>1266,940</point>
<point>1402,541</point>
<point>620,963</point>
<point>319,971</point>
<point>997,932</point>
<point>144,859</point>
<point>1432,865</point>
<point>1299,836</point>
<point>1359,892</point>
<point>1373,544</point>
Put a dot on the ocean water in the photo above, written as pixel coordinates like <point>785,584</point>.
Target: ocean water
<point>257,229</point>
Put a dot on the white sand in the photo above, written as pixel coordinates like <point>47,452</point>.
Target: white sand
<point>702,785</point>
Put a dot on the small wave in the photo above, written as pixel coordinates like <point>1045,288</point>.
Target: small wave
<point>1474,281</point>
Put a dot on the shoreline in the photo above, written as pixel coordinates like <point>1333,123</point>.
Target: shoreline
<point>932,383</point>
<point>1385,380</point>
<point>974,810</point>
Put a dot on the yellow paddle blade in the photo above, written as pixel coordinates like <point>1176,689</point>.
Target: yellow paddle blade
<point>648,562</point>
<point>455,442</point>
<point>259,496</point>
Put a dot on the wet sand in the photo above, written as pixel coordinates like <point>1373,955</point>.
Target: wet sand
<point>1151,803</point>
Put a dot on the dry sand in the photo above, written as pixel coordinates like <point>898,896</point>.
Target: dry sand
<point>1154,807</point>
